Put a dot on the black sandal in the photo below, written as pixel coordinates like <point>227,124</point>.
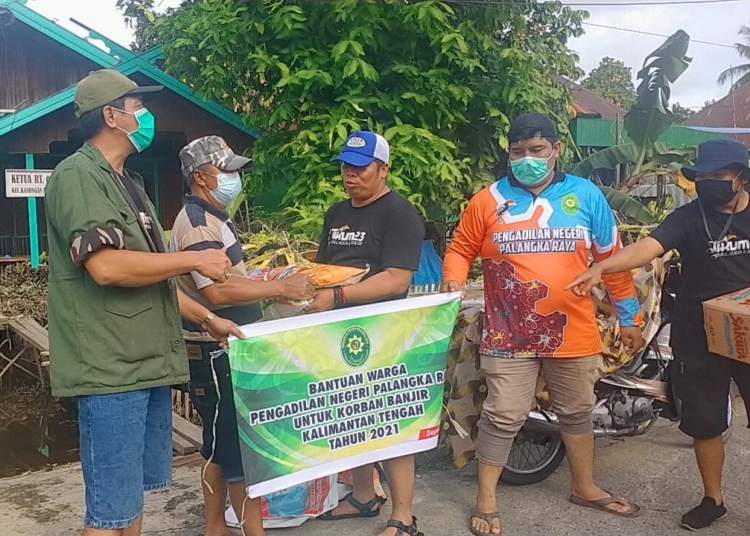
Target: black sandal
<point>403,530</point>
<point>363,509</point>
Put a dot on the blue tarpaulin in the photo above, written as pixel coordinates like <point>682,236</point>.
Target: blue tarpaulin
<point>430,266</point>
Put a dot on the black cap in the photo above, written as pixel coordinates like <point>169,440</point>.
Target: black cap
<point>714,155</point>
<point>533,125</point>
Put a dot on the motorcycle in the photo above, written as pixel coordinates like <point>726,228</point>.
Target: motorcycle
<point>629,401</point>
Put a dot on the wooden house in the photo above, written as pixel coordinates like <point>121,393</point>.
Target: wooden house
<point>40,64</point>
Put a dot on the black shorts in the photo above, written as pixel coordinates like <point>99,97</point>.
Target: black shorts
<point>221,440</point>
<point>702,383</point>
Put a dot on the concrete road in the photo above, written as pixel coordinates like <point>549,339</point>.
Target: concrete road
<point>657,471</point>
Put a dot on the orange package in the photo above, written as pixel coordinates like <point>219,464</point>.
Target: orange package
<point>323,275</point>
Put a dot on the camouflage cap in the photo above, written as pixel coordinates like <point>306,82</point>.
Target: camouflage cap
<point>210,150</point>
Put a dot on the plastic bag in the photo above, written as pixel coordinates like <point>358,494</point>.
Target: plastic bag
<point>323,275</point>
<point>293,506</point>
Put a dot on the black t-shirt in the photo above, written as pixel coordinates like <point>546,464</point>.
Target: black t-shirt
<point>710,267</point>
<point>387,233</point>
<point>144,214</point>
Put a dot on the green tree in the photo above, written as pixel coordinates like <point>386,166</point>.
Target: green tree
<point>612,80</point>
<point>740,75</point>
<point>440,81</point>
<point>681,114</point>
<point>140,16</point>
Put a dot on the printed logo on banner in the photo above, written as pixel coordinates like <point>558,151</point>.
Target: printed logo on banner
<point>355,346</point>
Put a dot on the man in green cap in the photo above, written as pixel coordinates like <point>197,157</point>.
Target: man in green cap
<point>114,308</point>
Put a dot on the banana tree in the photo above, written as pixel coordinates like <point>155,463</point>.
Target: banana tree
<point>645,122</point>
<point>650,117</point>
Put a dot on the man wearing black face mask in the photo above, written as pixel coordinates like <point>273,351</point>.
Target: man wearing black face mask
<point>712,235</point>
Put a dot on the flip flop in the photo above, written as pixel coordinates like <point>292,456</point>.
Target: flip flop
<point>363,509</point>
<point>601,504</point>
<point>488,518</point>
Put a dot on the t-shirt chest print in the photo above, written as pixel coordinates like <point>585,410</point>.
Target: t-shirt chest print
<point>729,246</point>
<point>346,236</point>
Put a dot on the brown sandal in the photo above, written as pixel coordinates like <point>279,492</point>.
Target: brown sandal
<point>487,518</point>
<point>601,504</point>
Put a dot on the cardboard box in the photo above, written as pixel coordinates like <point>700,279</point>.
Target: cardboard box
<point>727,324</point>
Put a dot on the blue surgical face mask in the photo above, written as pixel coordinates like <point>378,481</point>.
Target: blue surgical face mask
<point>530,171</point>
<point>228,188</point>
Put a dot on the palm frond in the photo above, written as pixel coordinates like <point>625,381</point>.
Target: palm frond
<point>741,82</point>
<point>733,73</point>
<point>742,49</point>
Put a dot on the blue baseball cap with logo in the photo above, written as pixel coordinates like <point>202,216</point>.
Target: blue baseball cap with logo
<point>362,148</point>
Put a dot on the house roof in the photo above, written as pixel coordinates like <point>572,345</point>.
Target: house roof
<point>588,104</point>
<point>731,111</point>
<point>118,58</point>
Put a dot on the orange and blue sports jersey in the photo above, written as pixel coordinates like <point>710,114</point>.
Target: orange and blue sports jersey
<point>531,247</point>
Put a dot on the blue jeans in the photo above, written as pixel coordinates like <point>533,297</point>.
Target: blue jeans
<point>126,449</point>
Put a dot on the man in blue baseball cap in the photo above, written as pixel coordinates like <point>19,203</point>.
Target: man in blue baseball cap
<point>379,229</point>
<point>712,235</point>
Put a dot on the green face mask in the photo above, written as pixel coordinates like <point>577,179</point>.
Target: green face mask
<point>142,136</point>
<point>529,170</point>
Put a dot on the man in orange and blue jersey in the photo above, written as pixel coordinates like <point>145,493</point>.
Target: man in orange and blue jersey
<point>535,230</point>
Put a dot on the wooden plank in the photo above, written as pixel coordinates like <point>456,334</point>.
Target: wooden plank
<point>182,446</point>
<point>190,459</point>
<point>32,332</point>
<point>187,430</point>
<point>38,332</point>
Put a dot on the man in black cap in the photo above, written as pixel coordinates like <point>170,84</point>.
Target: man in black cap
<point>534,230</point>
<point>712,235</point>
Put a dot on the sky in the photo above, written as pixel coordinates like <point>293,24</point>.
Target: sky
<point>712,22</point>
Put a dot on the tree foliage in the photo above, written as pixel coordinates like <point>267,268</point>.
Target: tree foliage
<point>739,75</point>
<point>681,114</point>
<point>440,81</point>
<point>612,80</point>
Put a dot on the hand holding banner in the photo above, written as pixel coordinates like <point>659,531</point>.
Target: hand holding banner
<point>323,393</point>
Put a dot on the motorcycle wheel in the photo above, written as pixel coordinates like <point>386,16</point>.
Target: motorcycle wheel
<point>533,458</point>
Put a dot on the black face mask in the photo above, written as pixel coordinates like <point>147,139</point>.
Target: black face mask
<point>715,192</point>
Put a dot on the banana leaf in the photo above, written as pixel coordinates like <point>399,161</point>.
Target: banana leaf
<point>628,153</point>
<point>627,206</point>
<point>650,117</point>
<point>673,159</point>
<point>609,158</point>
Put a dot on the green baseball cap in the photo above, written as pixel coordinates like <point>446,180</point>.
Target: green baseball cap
<point>102,87</point>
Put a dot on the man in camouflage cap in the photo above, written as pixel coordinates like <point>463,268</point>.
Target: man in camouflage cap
<point>212,170</point>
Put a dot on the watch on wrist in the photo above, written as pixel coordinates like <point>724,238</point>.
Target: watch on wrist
<point>207,321</point>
